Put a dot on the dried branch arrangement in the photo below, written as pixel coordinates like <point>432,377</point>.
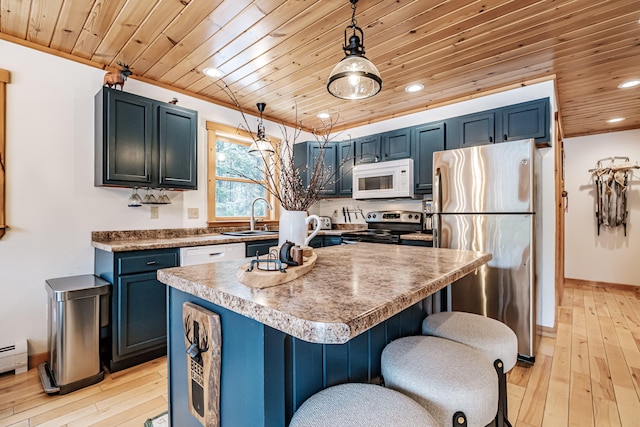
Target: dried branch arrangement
<point>284,179</point>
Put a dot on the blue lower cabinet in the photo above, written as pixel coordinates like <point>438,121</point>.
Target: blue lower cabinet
<point>137,311</point>
<point>266,374</point>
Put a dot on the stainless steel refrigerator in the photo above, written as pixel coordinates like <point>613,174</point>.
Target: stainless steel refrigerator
<point>485,200</point>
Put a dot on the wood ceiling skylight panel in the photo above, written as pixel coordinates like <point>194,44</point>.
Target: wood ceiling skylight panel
<point>99,21</point>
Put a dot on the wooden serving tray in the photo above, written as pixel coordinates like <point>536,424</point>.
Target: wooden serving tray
<point>261,279</point>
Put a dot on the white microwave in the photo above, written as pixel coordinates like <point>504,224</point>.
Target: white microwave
<point>383,180</point>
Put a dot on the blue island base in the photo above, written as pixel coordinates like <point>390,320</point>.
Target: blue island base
<point>266,374</point>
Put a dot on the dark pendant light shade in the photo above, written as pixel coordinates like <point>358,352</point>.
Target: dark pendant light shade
<point>261,146</point>
<point>355,77</point>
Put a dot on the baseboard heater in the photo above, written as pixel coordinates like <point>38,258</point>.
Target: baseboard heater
<point>13,357</point>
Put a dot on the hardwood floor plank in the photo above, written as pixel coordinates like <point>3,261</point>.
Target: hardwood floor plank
<point>534,398</point>
<point>556,410</point>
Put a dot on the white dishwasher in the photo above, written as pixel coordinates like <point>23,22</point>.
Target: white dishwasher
<point>211,253</point>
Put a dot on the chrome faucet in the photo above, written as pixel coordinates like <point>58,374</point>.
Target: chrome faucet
<point>252,221</point>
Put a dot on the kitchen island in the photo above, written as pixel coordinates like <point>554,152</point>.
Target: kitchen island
<point>282,344</point>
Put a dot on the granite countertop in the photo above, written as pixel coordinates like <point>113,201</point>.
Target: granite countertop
<point>351,289</point>
<point>124,241</point>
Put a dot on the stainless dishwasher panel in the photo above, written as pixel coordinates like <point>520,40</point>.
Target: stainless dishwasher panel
<point>211,253</point>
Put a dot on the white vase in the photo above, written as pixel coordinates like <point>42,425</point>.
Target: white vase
<point>294,227</point>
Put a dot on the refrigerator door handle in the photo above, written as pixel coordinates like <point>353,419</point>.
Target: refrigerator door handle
<point>436,208</point>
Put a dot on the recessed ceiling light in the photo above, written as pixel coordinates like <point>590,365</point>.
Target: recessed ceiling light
<point>323,116</point>
<point>213,72</point>
<point>416,87</point>
<point>628,84</point>
<point>616,120</point>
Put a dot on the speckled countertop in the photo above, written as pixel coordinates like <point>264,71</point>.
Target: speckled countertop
<point>124,241</point>
<point>351,289</point>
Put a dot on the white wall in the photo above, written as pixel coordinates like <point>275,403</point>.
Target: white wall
<point>610,257</point>
<point>52,205</point>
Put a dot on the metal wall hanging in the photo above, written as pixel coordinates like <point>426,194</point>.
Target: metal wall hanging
<point>611,178</point>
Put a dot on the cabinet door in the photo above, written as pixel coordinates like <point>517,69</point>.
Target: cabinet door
<point>141,315</point>
<point>177,128</point>
<point>127,139</point>
<point>396,144</point>
<point>367,149</point>
<point>345,173</point>
<point>259,248</point>
<point>526,120</point>
<point>328,156</point>
<point>477,129</point>
<point>426,140</point>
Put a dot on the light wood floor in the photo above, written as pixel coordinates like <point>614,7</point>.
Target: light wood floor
<point>589,375</point>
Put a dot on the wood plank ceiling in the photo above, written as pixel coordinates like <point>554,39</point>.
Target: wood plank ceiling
<point>282,51</point>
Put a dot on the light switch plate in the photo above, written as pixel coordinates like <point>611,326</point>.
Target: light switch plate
<point>155,212</point>
<point>193,213</point>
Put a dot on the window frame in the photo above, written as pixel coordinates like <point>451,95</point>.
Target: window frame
<point>241,137</point>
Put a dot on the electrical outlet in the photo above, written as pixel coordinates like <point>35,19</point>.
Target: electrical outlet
<point>193,213</point>
<point>155,212</point>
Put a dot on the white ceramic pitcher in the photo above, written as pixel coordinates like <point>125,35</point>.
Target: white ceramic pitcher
<point>294,225</point>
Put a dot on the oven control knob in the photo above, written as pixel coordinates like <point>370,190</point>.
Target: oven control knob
<point>368,216</point>
<point>410,216</point>
<point>374,216</point>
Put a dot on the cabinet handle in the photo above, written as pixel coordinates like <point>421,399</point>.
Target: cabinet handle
<point>151,263</point>
<point>490,139</point>
<point>505,136</point>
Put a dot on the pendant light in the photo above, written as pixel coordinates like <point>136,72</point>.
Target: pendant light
<point>261,146</point>
<point>355,77</point>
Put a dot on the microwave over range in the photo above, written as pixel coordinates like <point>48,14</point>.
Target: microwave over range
<point>383,180</point>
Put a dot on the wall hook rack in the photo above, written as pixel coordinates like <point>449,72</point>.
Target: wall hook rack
<point>611,178</point>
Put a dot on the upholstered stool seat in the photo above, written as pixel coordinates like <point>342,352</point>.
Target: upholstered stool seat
<point>454,382</point>
<point>491,337</point>
<point>356,405</point>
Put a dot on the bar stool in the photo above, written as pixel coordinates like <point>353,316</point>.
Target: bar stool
<point>355,405</point>
<point>453,382</point>
<point>495,340</point>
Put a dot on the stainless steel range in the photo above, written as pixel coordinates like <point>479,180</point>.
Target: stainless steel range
<point>386,227</point>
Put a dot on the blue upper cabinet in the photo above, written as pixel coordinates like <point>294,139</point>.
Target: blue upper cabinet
<point>396,144</point>
<point>367,149</point>
<point>526,120</point>
<point>519,121</point>
<point>477,129</point>
<point>305,157</point>
<point>328,156</point>
<point>426,139</point>
<point>177,129</point>
<point>345,162</point>
<point>140,142</point>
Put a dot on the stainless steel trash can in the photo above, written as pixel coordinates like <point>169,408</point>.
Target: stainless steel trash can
<point>73,312</point>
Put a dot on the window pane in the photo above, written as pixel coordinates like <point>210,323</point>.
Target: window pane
<point>233,199</point>
<point>234,160</point>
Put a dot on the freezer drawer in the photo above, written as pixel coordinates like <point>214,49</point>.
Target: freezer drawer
<point>504,288</point>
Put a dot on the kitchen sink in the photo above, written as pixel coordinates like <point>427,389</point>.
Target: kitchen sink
<point>249,233</point>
